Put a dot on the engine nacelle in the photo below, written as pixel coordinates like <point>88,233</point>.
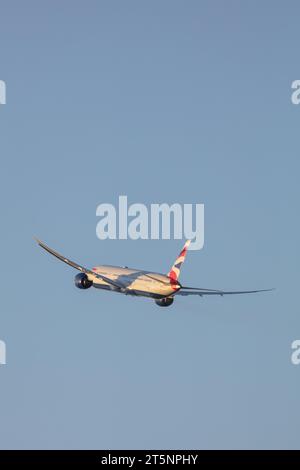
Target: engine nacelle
<point>82,281</point>
<point>165,302</point>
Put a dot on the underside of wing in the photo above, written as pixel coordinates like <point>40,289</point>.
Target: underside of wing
<point>202,292</point>
<point>116,284</point>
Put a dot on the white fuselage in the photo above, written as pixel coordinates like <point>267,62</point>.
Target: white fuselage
<point>136,281</point>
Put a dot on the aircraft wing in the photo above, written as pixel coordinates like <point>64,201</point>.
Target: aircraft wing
<point>201,292</point>
<point>113,283</point>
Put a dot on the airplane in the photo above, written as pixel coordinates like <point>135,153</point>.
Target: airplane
<point>162,288</point>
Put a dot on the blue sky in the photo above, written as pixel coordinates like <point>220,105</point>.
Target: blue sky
<point>164,101</point>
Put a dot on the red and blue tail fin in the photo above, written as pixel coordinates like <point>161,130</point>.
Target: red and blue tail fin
<point>175,270</point>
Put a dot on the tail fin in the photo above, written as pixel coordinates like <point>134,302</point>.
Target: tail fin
<point>175,270</point>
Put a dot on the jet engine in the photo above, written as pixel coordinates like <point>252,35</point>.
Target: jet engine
<point>82,282</point>
<point>165,302</point>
